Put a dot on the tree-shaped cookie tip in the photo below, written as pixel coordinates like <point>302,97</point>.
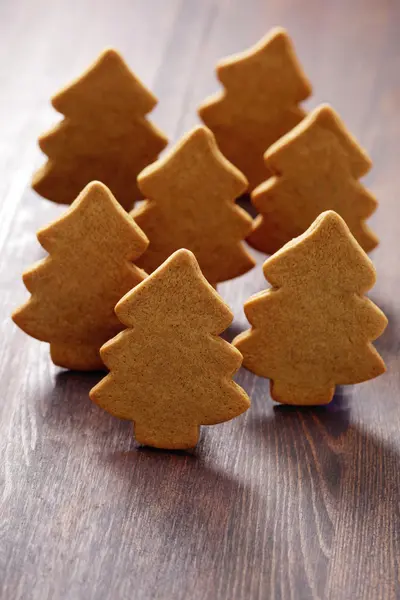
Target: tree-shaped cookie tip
<point>315,167</point>
<point>104,134</point>
<point>326,118</point>
<point>109,73</point>
<point>169,371</point>
<point>313,329</point>
<point>263,87</point>
<point>274,56</point>
<point>75,289</point>
<point>190,195</point>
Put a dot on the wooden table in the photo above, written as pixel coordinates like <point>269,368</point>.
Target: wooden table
<point>278,504</point>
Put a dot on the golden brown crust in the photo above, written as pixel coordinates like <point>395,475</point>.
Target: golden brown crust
<point>169,372</point>
<point>104,136</point>
<point>74,290</point>
<point>190,204</point>
<point>315,168</point>
<point>313,329</point>
<point>262,89</point>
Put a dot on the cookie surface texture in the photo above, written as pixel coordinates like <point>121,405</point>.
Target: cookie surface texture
<point>190,204</point>
<point>104,136</point>
<point>75,289</point>
<point>316,167</point>
<point>312,330</point>
<point>169,371</point>
<point>263,87</point>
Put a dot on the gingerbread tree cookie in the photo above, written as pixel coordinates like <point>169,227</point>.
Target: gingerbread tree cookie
<point>316,167</point>
<point>312,330</point>
<point>104,136</point>
<point>169,371</point>
<point>75,289</point>
<point>190,204</point>
<point>263,88</point>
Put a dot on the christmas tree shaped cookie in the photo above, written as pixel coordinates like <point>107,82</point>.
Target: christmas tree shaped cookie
<point>75,289</point>
<point>169,371</point>
<point>312,330</point>
<point>263,87</point>
<point>190,204</point>
<point>316,167</point>
<point>105,135</point>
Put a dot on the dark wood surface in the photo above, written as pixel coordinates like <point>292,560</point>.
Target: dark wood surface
<point>281,503</point>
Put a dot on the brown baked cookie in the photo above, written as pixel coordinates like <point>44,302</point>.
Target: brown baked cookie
<point>75,289</point>
<point>263,87</point>
<point>169,371</point>
<point>311,331</point>
<point>104,136</point>
<point>316,167</point>
<point>190,204</point>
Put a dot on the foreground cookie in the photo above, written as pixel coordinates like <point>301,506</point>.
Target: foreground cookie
<point>190,204</point>
<point>311,331</point>
<point>89,269</point>
<point>104,136</point>
<point>263,87</point>
<point>316,168</point>
<point>169,371</point>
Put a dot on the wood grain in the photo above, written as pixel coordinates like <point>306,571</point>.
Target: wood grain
<point>282,503</point>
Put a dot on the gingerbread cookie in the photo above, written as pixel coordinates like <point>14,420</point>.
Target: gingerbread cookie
<point>316,167</point>
<point>169,371</point>
<point>312,330</point>
<point>190,204</point>
<point>104,136</point>
<point>75,289</point>
<point>263,88</point>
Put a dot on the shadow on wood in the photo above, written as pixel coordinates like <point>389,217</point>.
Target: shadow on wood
<point>233,330</point>
<point>245,203</point>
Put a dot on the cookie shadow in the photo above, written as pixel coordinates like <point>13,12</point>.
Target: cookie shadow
<point>183,495</point>
<point>388,344</point>
<point>69,409</point>
<point>335,416</point>
<point>244,202</point>
<point>70,391</point>
<point>233,330</point>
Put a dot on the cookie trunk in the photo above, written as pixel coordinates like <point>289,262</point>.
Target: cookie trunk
<point>298,395</point>
<point>77,357</point>
<point>166,436</point>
